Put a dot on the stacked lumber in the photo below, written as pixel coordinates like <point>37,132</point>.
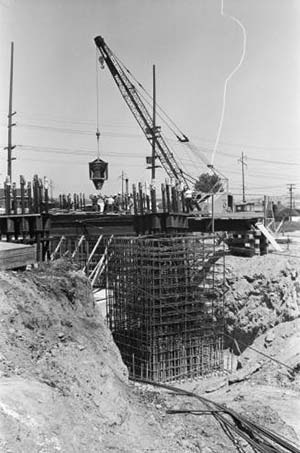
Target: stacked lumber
<point>13,256</point>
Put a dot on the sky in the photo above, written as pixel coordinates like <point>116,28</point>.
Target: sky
<point>194,48</point>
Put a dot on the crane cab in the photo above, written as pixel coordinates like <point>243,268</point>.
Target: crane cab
<point>98,172</point>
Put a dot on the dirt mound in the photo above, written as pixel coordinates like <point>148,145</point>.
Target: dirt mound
<point>63,386</point>
<point>263,291</point>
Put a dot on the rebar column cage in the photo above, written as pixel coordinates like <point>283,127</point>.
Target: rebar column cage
<point>165,298</point>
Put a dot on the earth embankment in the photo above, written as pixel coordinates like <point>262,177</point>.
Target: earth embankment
<point>63,385</point>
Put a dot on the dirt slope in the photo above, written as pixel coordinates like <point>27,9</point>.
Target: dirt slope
<point>63,386</point>
<point>263,291</point>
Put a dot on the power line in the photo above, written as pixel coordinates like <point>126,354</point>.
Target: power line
<point>42,119</point>
<point>206,150</point>
<point>196,149</point>
<point>83,163</point>
<point>129,125</point>
<point>78,131</point>
<point>254,146</point>
<point>88,152</point>
<point>75,152</point>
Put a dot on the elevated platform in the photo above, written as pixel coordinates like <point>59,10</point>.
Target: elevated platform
<point>90,223</point>
<point>237,221</point>
<point>93,223</point>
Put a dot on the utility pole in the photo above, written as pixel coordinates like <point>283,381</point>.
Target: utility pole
<point>10,147</point>
<point>291,188</point>
<point>51,185</point>
<point>153,126</point>
<point>243,162</point>
<point>123,179</point>
<point>122,176</point>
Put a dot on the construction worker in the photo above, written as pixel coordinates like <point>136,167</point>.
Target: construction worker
<point>100,203</point>
<point>188,197</point>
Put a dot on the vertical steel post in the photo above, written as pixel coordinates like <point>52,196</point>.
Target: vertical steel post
<point>153,127</point>
<point>22,185</point>
<point>265,209</point>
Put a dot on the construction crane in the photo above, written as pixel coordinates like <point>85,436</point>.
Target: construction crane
<point>143,117</point>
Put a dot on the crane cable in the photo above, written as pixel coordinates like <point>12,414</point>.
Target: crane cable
<point>97,107</point>
<point>175,130</point>
<point>160,115</point>
<point>192,147</point>
<point>184,140</point>
<point>147,102</point>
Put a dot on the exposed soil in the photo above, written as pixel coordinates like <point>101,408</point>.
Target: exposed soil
<point>64,387</point>
<point>263,291</point>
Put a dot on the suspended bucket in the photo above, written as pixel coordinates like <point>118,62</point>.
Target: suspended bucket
<point>98,172</point>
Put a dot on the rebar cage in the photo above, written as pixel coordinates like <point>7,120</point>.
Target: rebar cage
<point>165,297</point>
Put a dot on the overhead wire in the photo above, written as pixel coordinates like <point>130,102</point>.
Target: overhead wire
<point>166,119</point>
<point>196,148</point>
<point>74,152</point>
<point>81,151</point>
<point>204,150</point>
<point>191,158</point>
<point>117,124</point>
<point>160,111</point>
<point>258,172</point>
<point>78,131</point>
<point>149,104</point>
<point>83,163</point>
<point>247,145</point>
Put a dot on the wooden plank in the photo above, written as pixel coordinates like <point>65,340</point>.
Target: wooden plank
<point>269,236</point>
<point>93,252</point>
<point>13,255</point>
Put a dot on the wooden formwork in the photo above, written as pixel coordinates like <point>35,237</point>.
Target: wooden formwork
<point>90,253</point>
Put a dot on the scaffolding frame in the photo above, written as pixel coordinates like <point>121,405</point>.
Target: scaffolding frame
<point>165,299</point>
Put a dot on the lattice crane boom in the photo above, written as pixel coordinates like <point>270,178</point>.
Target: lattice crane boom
<point>141,114</point>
